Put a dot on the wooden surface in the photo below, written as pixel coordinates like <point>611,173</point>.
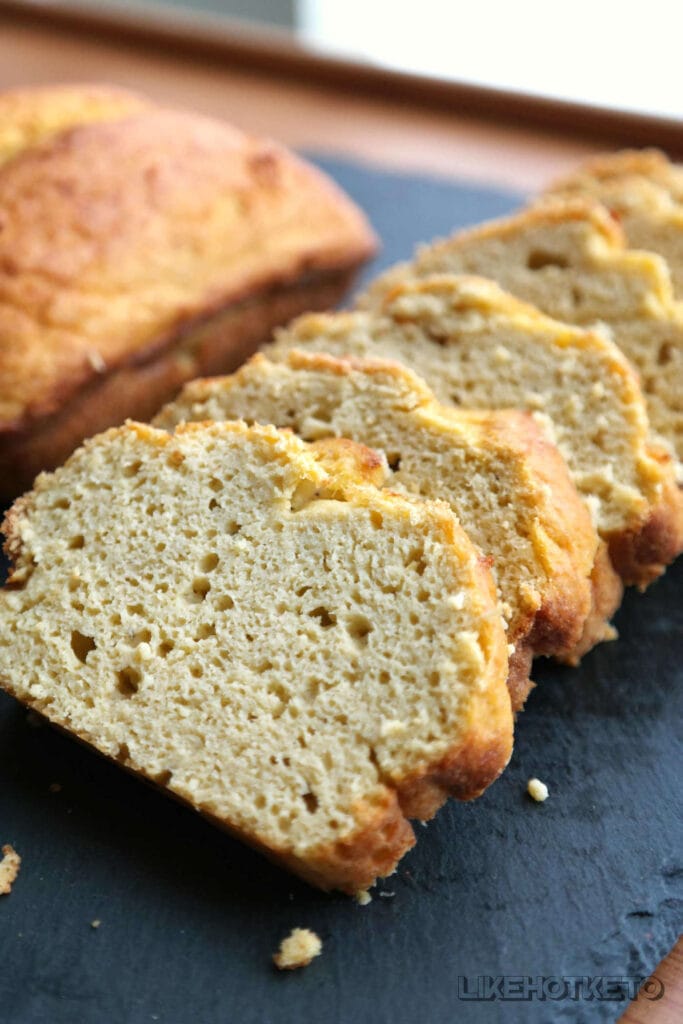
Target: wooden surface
<point>342,121</point>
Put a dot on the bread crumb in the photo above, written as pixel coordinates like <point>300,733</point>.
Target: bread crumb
<point>297,950</point>
<point>9,869</point>
<point>363,897</point>
<point>96,923</point>
<point>54,787</point>
<point>537,789</point>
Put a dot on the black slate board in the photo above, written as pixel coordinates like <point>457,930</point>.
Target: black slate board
<point>588,884</point>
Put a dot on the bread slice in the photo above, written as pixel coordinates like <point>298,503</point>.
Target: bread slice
<point>142,247</point>
<point>644,191</point>
<point>307,662</point>
<point>508,487</point>
<point>569,259</point>
<point>478,347</point>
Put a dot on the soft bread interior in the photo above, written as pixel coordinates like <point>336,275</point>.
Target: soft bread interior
<point>286,655</point>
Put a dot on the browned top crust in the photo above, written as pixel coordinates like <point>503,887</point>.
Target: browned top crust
<point>115,233</point>
<point>31,115</point>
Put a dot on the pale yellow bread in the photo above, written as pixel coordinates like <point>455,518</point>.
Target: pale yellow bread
<point>478,347</point>
<point>569,258</point>
<point>508,486</point>
<point>306,661</point>
<point>643,190</point>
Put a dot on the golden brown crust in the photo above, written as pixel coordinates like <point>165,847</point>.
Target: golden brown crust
<point>519,681</point>
<point>640,555</point>
<point>138,388</point>
<point>623,166</point>
<point>29,116</point>
<point>607,589</point>
<point>349,462</point>
<point>120,234</point>
<point>357,861</point>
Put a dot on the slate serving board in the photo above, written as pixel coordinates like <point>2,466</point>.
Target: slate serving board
<point>588,884</point>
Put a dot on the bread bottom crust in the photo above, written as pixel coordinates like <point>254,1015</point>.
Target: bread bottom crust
<point>642,554</point>
<point>607,590</point>
<point>136,390</point>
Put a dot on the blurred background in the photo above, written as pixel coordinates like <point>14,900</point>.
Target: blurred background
<point>605,53</point>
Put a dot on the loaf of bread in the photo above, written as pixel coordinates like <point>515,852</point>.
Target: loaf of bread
<point>307,661</point>
<point>509,488</point>
<point>644,191</point>
<point>139,247</point>
<point>569,259</point>
<point>478,347</point>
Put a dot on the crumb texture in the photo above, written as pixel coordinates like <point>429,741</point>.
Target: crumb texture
<point>297,949</point>
<point>212,610</point>
<point>508,486</point>
<point>569,258</point>
<point>478,347</point>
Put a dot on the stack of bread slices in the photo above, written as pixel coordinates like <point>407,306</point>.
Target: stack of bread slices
<point>307,598</point>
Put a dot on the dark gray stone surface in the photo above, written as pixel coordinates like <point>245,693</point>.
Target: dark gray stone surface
<point>588,884</point>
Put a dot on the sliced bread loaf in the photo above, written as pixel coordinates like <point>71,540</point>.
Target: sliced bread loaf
<point>509,488</point>
<point>478,347</point>
<point>569,259</point>
<point>307,662</point>
<point>644,191</point>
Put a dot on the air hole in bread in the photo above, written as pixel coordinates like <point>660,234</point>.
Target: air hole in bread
<point>358,628</point>
<point>143,636</point>
<point>206,630</point>
<point>200,588</point>
<point>302,495</point>
<point>394,463</point>
<point>224,603</point>
<point>165,648</point>
<point>123,753</point>
<point>538,259</point>
<point>77,542</point>
<point>135,609</point>
<point>82,645</point>
<point>665,353</point>
<point>133,468</point>
<point>311,802</point>
<point>416,561</point>
<point>325,618</point>
<point>209,562</point>
<point>163,778</point>
<point>128,681</point>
